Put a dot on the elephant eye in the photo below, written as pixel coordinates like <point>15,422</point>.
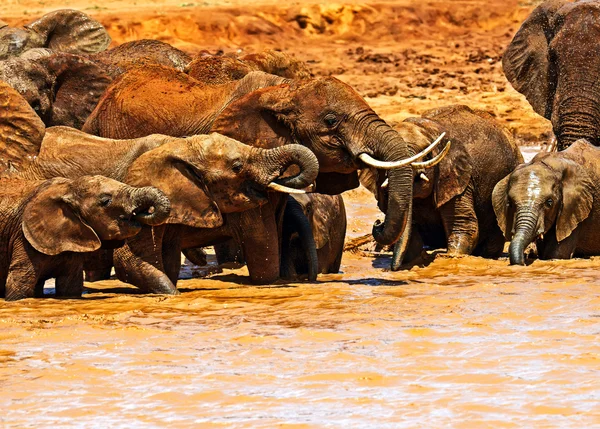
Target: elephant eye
<point>237,167</point>
<point>549,202</point>
<point>105,200</point>
<point>331,120</point>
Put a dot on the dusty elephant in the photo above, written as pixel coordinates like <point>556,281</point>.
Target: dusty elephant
<point>62,88</point>
<point>553,200</point>
<point>453,202</point>
<point>204,176</point>
<point>318,218</point>
<point>553,61</point>
<point>262,110</point>
<point>65,30</point>
<point>47,226</point>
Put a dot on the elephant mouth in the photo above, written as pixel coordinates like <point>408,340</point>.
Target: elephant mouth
<point>256,193</point>
<point>130,221</point>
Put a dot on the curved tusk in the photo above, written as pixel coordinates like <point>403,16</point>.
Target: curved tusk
<point>280,188</point>
<point>385,183</point>
<point>389,165</point>
<point>433,161</point>
<point>423,177</point>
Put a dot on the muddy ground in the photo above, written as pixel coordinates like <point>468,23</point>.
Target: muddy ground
<point>462,342</point>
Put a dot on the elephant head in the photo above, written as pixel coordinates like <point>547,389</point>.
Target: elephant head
<point>338,126</point>
<point>21,131</point>
<point>79,215</point>
<point>62,88</point>
<point>207,175</point>
<point>549,192</point>
<point>64,30</point>
<point>552,61</point>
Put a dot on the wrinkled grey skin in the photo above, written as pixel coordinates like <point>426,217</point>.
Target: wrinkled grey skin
<point>63,30</point>
<point>553,200</point>
<point>62,88</point>
<point>553,60</point>
<point>46,227</point>
<point>313,221</point>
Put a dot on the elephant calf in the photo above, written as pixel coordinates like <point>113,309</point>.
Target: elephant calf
<point>47,226</point>
<point>554,199</point>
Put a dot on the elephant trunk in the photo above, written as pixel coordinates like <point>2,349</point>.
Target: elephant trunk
<point>525,227</point>
<point>276,161</point>
<point>151,206</point>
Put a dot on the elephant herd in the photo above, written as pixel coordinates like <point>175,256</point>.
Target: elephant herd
<point>127,157</point>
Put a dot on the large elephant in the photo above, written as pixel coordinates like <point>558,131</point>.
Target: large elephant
<point>64,30</point>
<point>453,201</point>
<point>313,221</point>
<point>204,176</point>
<point>262,110</point>
<point>555,200</point>
<point>47,226</point>
<point>553,61</point>
<point>62,88</point>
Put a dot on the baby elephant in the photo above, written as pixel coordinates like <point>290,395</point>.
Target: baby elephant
<point>555,198</point>
<point>46,226</point>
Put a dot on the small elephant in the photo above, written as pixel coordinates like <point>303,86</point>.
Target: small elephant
<point>313,221</point>
<point>452,205</point>
<point>553,60</point>
<point>555,200</point>
<point>64,30</point>
<point>47,226</point>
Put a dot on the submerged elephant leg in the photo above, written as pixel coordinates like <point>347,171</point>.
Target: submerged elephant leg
<point>171,253</point>
<point>98,265</point>
<point>70,284</point>
<point>139,262</point>
<point>552,249</point>
<point>196,256</point>
<point>460,223</point>
<point>22,276</point>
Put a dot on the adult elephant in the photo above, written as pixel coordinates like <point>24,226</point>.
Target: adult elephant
<point>553,200</point>
<point>46,227</point>
<point>262,110</point>
<point>64,30</point>
<point>62,88</point>
<point>204,177</point>
<point>553,61</point>
<point>453,201</point>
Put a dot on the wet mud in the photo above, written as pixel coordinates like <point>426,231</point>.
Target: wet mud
<point>452,342</point>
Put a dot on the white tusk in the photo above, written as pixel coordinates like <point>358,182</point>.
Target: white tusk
<point>433,161</point>
<point>280,188</point>
<point>389,165</point>
<point>385,183</point>
<point>423,177</point>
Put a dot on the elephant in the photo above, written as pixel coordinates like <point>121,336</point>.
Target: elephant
<point>553,200</point>
<point>62,88</point>
<point>21,131</point>
<point>313,221</point>
<point>47,227</point>
<point>553,61</point>
<point>64,30</point>
<point>219,69</point>
<point>204,176</point>
<point>262,110</point>
<point>452,205</point>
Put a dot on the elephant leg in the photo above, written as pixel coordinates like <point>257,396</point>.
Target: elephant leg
<point>70,284</point>
<point>22,275</point>
<point>139,262</point>
<point>196,256</point>
<point>98,265</point>
<point>492,247</point>
<point>552,249</point>
<point>171,254</point>
<point>460,223</point>
<point>415,245</point>
<point>229,251</point>
<point>260,243</point>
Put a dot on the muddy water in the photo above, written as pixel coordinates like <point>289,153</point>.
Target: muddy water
<point>459,343</point>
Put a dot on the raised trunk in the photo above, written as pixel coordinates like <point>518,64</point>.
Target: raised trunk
<point>276,161</point>
<point>525,233</point>
<point>152,207</point>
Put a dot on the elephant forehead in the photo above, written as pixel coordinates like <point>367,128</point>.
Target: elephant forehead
<point>97,184</point>
<point>533,181</point>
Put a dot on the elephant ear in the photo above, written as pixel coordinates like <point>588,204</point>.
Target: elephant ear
<point>21,131</point>
<point>79,83</point>
<point>71,31</point>
<point>336,183</point>
<point>526,62</point>
<point>51,223</point>
<point>454,174</point>
<point>165,168</point>
<point>500,203</point>
<point>577,199</point>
